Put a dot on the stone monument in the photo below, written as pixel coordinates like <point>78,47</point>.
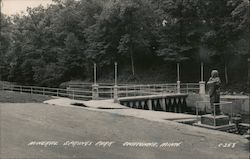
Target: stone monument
<point>215,120</point>
<point>213,85</point>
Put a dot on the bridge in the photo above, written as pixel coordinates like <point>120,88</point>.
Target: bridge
<point>166,102</point>
<point>159,97</point>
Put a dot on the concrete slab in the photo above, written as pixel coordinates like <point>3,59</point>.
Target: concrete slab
<point>97,104</point>
<point>22,124</point>
<point>221,127</point>
<point>122,110</point>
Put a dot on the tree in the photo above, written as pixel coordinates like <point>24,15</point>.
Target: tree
<point>226,20</point>
<point>179,36</point>
<point>121,33</point>
<point>5,43</point>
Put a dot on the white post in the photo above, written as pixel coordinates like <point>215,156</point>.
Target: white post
<point>115,86</point>
<point>115,73</point>
<point>214,114</point>
<point>202,82</point>
<point>95,93</point>
<point>197,113</point>
<point>178,71</point>
<point>94,73</point>
<point>178,79</point>
<point>202,69</point>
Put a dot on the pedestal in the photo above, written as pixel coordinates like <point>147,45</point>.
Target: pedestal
<point>217,120</point>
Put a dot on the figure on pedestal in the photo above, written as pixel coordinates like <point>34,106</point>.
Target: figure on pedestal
<point>214,84</point>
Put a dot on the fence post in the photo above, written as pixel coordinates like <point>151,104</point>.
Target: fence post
<point>126,90</point>
<point>111,92</point>
<point>140,90</point>
<point>57,92</point>
<point>134,91</point>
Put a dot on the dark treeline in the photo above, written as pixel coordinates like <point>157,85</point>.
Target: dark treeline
<point>51,45</point>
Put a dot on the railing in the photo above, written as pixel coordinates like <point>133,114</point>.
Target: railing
<point>142,90</point>
<point>69,93</point>
<point>190,88</point>
<point>203,107</point>
<point>105,90</point>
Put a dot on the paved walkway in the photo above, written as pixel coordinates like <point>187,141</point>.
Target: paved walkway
<point>158,116</point>
<point>35,130</point>
<point>110,106</point>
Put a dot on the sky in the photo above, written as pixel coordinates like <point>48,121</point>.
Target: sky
<point>11,7</point>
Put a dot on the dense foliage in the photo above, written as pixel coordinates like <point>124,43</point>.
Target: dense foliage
<point>51,45</point>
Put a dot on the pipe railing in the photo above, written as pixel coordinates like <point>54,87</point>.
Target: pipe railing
<point>204,106</point>
<point>105,91</point>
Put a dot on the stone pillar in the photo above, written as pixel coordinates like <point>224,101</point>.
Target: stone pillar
<point>202,83</point>
<point>95,92</point>
<point>178,86</point>
<point>115,94</point>
<point>202,87</point>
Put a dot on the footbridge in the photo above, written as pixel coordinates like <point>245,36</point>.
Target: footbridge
<point>165,102</point>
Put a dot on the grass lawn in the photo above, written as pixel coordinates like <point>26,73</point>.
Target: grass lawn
<point>17,97</point>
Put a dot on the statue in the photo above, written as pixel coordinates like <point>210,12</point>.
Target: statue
<point>214,92</point>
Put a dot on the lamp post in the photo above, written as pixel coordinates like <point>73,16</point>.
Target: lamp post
<point>178,79</point>
<point>94,73</point>
<point>248,72</point>
<point>116,86</point>
<point>202,82</point>
<point>95,91</point>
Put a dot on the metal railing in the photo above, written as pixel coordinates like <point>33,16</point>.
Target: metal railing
<point>142,90</point>
<point>204,107</point>
<point>69,93</point>
<point>190,88</point>
<point>105,91</point>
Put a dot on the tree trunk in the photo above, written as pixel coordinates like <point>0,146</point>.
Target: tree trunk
<point>226,74</point>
